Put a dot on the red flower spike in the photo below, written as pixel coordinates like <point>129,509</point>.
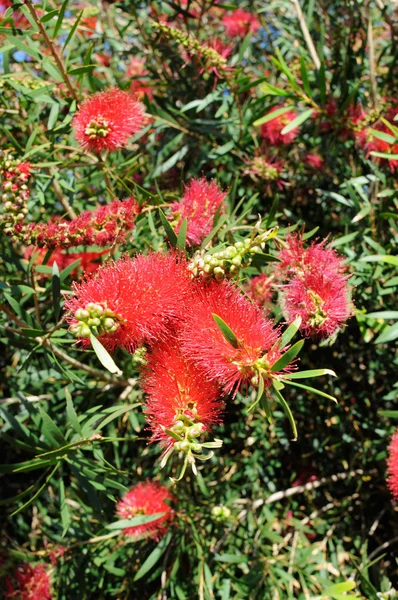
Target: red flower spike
<point>147,498</point>
<point>31,583</point>
<point>130,302</point>
<point>179,397</point>
<point>392,465</point>
<point>240,22</point>
<point>202,341</point>
<point>320,299</point>
<point>259,289</point>
<point>199,205</point>
<point>272,130</point>
<point>107,120</point>
<point>296,259</point>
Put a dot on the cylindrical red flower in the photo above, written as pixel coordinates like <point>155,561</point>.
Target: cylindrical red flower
<point>29,583</point>
<point>199,205</point>
<point>392,465</point>
<point>229,365</point>
<point>259,289</point>
<point>130,302</point>
<point>320,299</point>
<point>147,498</point>
<point>272,130</point>
<point>106,120</point>
<point>179,397</point>
<point>239,23</point>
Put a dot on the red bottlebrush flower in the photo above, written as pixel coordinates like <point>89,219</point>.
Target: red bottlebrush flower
<point>199,205</point>
<point>87,266</point>
<point>130,302</point>
<point>272,130</point>
<point>259,289</point>
<point>103,227</point>
<point>106,120</point>
<point>295,259</point>
<point>147,498</point>
<point>392,465</point>
<point>30,583</point>
<point>19,19</point>
<point>203,343</point>
<point>217,66</point>
<point>240,22</point>
<point>139,86</point>
<point>178,394</point>
<point>314,160</point>
<point>261,168</point>
<point>321,299</point>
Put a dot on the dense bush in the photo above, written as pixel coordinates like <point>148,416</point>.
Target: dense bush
<point>232,167</point>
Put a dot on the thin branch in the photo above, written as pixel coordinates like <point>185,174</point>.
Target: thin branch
<point>53,51</point>
<point>61,198</point>
<point>372,63</point>
<point>307,35</point>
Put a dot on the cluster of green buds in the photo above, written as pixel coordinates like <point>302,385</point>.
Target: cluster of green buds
<point>317,316</point>
<point>139,357</point>
<point>227,263</point>
<point>97,128</point>
<point>14,174</point>
<point>193,46</point>
<point>220,513</point>
<point>95,319</point>
<point>186,431</point>
<point>11,82</point>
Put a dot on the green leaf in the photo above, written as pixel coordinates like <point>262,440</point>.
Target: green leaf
<point>304,77</point>
<point>380,135</point>
<point>171,234</point>
<point>56,290</point>
<point>388,335</point>
<point>312,373</point>
<point>154,557</point>
<point>297,121</point>
<point>310,389</point>
<point>64,509</point>
<point>339,588</point>
<point>135,521</point>
<point>226,331</point>
<point>60,19</point>
<point>271,115</point>
<point>287,410</point>
<point>260,393</point>
<point>386,258</point>
<point>71,414</point>
<point>390,414</point>
<point>383,314</point>
<point>287,357</point>
<point>73,30</point>
<point>182,235</point>
<point>51,432</point>
<point>81,70</point>
<point>290,332</point>
<point>104,357</point>
<point>37,494</point>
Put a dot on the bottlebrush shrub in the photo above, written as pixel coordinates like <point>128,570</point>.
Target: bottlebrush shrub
<point>147,498</point>
<point>107,120</point>
<point>260,196</point>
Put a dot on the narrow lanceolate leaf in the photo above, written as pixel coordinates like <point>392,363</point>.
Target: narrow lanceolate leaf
<point>271,115</point>
<point>260,393</point>
<point>290,332</point>
<point>226,331</point>
<point>51,432</point>
<point>297,121</point>
<point>71,414</point>
<point>388,335</point>
<point>56,289</point>
<point>288,357</point>
<point>310,389</point>
<point>287,410</point>
<point>135,521</point>
<point>171,234</point>
<point>182,235</point>
<point>103,356</point>
<point>154,557</point>
<point>312,373</point>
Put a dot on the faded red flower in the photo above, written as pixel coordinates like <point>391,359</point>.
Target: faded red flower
<point>29,583</point>
<point>147,498</point>
<point>231,366</point>
<point>321,299</point>
<point>130,302</point>
<point>259,289</point>
<point>239,23</point>
<point>102,227</point>
<point>178,395</point>
<point>106,120</point>
<point>272,130</point>
<point>262,168</point>
<point>140,86</point>
<point>200,203</point>
<point>314,160</point>
<point>392,465</point>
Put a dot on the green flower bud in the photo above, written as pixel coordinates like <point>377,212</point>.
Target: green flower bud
<point>81,314</point>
